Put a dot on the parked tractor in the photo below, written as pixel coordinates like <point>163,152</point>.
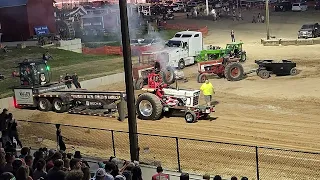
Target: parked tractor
<point>215,52</point>
<point>225,67</point>
<point>161,99</point>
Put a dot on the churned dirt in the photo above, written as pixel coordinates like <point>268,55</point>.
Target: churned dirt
<point>277,112</point>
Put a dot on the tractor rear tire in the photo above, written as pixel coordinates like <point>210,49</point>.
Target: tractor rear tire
<point>264,74</point>
<point>190,117</point>
<point>234,72</point>
<point>139,84</point>
<point>44,104</point>
<point>168,76</point>
<point>149,107</point>
<point>202,78</point>
<point>293,71</point>
<point>58,106</point>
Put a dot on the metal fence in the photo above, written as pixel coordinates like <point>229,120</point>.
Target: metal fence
<point>180,154</point>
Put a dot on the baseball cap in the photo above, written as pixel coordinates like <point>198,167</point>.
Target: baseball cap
<point>100,172</point>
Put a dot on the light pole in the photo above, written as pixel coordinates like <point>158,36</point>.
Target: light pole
<point>267,19</point>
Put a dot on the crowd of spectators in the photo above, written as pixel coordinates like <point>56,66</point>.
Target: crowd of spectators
<point>45,164</point>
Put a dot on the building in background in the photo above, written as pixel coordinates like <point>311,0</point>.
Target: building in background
<point>18,18</point>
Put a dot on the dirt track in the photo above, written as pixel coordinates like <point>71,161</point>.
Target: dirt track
<point>277,112</point>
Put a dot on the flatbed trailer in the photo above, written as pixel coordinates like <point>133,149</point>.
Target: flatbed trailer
<point>56,98</point>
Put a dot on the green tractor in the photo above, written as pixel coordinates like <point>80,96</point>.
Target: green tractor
<point>214,52</point>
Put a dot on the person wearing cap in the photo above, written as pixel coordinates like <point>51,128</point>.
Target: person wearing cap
<point>100,174</point>
<point>160,175</point>
<point>208,91</point>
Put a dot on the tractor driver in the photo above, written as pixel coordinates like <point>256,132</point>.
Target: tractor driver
<point>208,91</point>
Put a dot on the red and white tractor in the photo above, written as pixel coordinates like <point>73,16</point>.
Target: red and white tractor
<point>162,99</point>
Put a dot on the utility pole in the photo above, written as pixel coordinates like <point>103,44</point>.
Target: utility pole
<point>126,49</point>
<point>267,19</point>
<point>207,7</point>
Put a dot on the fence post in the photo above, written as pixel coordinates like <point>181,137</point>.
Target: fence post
<point>113,146</point>
<point>257,163</point>
<point>178,154</point>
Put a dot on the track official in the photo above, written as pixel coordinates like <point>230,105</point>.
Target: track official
<point>208,91</point>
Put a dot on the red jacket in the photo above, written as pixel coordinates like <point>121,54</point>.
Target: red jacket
<point>161,176</point>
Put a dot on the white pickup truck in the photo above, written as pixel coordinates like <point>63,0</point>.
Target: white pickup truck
<point>181,50</point>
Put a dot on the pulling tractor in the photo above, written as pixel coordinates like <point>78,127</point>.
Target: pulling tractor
<point>225,67</point>
<point>150,63</point>
<point>161,99</point>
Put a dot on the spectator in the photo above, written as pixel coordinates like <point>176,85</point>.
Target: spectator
<point>9,160</point>
<point>24,152</point>
<point>2,160</point>
<point>232,36</point>
<point>23,173</point>
<point>160,175</point>
<point>244,178</point>
<point>109,166</point>
<point>37,156</point>
<point>56,172</point>
<point>7,176</point>
<point>75,81</point>
<point>136,173</point>
<point>75,164</point>
<point>66,164</point>
<point>52,159</point>
<point>61,143</point>
<point>206,177</point>
<point>40,170</point>
<point>77,154</point>
<point>217,177</point>
<point>29,160</point>
<point>12,129</point>
<point>100,174</point>
<point>184,176</point>
<point>16,164</point>
<point>115,170</point>
<point>128,171</point>
<point>3,124</point>
<point>234,178</point>
<point>68,81</point>
<point>86,173</point>
<point>69,155</point>
<point>74,175</point>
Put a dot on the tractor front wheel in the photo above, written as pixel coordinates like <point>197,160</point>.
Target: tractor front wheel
<point>234,72</point>
<point>139,84</point>
<point>243,57</point>
<point>190,117</point>
<point>202,78</point>
<point>149,107</point>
